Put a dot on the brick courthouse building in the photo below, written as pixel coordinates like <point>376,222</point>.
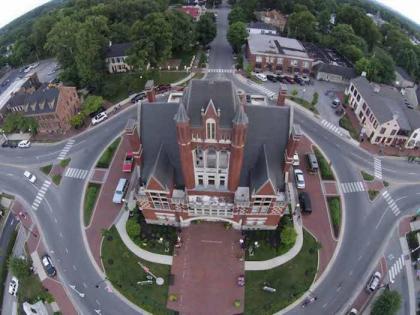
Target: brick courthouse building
<point>213,157</point>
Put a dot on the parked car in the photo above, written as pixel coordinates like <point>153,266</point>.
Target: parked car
<point>24,144</point>
<point>120,190</point>
<point>99,118</point>
<point>312,162</point>
<point>335,103</point>
<point>261,77</point>
<point>9,144</point>
<point>374,281</point>
<point>339,111</point>
<point>13,286</point>
<point>271,78</point>
<point>48,265</point>
<point>248,98</point>
<point>138,97</point>
<point>300,179</point>
<point>305,202</point>
<point>31,177</point>
<point>306,79</point>
<point>162,88</point>
<point>296,160</point>
<point>299,80</point>
<point>128,162</point>
<point>353,311</point>
<point>289,79</point>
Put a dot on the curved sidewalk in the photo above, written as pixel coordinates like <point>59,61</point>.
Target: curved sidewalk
<point>249,265</point>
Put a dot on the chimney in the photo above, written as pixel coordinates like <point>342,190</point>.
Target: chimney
<point>282,95</point>
<point>150,91</point>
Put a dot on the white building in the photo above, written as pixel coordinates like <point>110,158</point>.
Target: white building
<point>116,56</point>
<point>261,28</point>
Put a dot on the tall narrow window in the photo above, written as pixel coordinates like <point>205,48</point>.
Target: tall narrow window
<point>210,129</point>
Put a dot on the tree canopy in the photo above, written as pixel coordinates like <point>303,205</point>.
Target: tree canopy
<point>237,35</point>
<point>206,29</point>
<point>388,303</point>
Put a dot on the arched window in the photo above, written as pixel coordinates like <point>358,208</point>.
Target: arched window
<point>211,158</point>
<point>199,157</point>
<point>210,129</point>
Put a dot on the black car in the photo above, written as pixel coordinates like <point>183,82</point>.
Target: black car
<point>138,97</point>
<point>248,98</point>
<point>48,266</point>
<point>9,144</point>
<point>305,202</point>
<point>272,78</point>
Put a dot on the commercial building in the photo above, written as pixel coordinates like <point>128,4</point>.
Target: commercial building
<point>334,73</point>
<point>386,116</point>
<point>50,105</point>
<point>277,54</point>
<point>261,28</point>
<point>116,56</point>
<point>210,156</point>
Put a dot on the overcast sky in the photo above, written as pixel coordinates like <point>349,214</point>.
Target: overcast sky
<point>11,9</point>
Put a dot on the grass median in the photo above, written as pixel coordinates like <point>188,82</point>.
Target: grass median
<point>46,169</point>
<point>92,193</point>
<point>290,280</point>
<point>367,176</point>
<point>106,157</point>
<point>334,207</point>
<point>324,166</point>
<point>123,270</point>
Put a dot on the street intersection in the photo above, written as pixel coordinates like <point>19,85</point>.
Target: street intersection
<point>58,213</point>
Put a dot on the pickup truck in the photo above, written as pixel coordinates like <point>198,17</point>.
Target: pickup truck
<point>128,162</point>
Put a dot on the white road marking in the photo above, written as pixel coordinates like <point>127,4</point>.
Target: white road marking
<point>377,167</point>
<point>76,173</point>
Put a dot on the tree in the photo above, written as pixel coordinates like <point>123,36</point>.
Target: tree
<point>324,20</point>
<point>237,35</point>
<point>78,120</point>
<point>92,104</point>
<point>362,65</point>
<point>237,14</point>
<point>15,122</point>
<point>91,40</point>
<point>206,29</point>
<point>352,52</point>
<point>40,29</point>
<point>343,34</point>
<point>301,25</point>
<point>388,303</point>
<point>409,61</point>
<point>315,98</point>
<point>19,267</point>
<point>182,30</point>
<point>288,235</point>
<point>382,67</point>
<point>154,36</point>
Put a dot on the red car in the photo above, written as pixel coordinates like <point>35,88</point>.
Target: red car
<point>162,88</point>
<point>128,162</point>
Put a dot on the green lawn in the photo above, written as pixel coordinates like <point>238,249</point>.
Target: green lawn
<point>372,194</point>
<point>346,124</point>
<point>367,176</point>
<point>304,103</point>
<point>91,195</point>
<point>119,86</point>
<point>106,157</point>
<point>66,162</point>
<point>46,169</point>
<point>335,213</point>
<point>270,244</point>
<point>324,167</point>
<point>122,269</point>
<point>291,280</point>
<point>31,290</point>
<point>147,236</point>
<point>56,179</point>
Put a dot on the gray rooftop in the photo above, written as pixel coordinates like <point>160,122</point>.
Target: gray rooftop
<point>43,100</point>
<point>276,45</point>
<point>387,103</point>
<point>261,26</point>
<point>198,95</point>
<point>404,74</point>
<point>345,72</point>
<point>118,50</point>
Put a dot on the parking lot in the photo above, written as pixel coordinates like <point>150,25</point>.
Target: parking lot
<point>327,91</point>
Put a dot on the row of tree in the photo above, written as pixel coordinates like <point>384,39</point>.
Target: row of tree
<point>78,35</point>
<point>353,34</point>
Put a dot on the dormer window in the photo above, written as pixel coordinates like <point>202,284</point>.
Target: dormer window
<point>210,129</point>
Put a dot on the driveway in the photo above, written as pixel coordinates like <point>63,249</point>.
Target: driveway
<point>205,271</point>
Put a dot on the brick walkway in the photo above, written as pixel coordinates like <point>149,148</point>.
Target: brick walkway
<point>34,244</point>
<point>404,226</point>
<point>205,271</point>
<point>330,188</point>
<point>364,297</point>
<point>374,185</point>
<point>318,222</point>
<point>105,210</point>
<point>99,175</point>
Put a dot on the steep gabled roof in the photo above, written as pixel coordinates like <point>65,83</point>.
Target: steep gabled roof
<point>118,50</point>
<point>163,171</point>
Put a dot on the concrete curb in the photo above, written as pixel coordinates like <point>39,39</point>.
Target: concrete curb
<point>410,277</point>
<point>136,250</point>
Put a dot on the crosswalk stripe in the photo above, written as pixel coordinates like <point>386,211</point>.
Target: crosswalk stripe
<point>76,173</point>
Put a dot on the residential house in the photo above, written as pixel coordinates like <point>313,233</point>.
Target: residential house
<point>116,55</point>
<point>334,73</point>
<point>195,11</point>
<point>273,17</point>
<point>261,28</point>
<point>277,54</point>
<point>403,79</point>
<point>210,156</point>
<point>50,105</point>
<point>384,113</point>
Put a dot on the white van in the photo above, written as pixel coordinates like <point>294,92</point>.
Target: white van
<point>120,190</point>
<point>261,77</point>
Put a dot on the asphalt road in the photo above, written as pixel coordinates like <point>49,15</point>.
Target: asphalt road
<point>367,224</point>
